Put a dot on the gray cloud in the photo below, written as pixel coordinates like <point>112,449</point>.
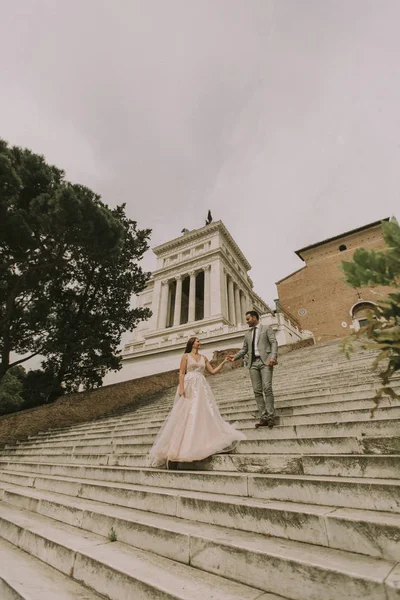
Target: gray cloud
<point>280,116</point>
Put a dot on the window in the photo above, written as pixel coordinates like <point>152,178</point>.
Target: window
<point>360,313</point>
<point>362,322</point>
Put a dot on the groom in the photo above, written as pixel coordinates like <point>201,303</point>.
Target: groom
<point>261,346</point>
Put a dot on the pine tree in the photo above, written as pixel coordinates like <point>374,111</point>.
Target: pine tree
<point>68,270</point>
<point>382,331</point>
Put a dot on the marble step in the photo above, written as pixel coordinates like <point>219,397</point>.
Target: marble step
<point>159,488</point>
<point>376,537</point>
<point>148,426</point>
<point>115,569</point>
<point>355,393</point>
<point>353,465</point>
<point>23,577</point>
<point>245,420</point>
<point>327,405</point>
<point>339,444</point>
<point>372,533</point>
<point>299,394</point>
<point>283,407</point>
<point>334,416</point>
<point>124,443</point>
<point>244,417</point>
<point>384,467</point>
<point>129,454</point>
<point>269,563</point>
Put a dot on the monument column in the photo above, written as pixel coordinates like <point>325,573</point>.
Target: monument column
<point>215,288</point>
<point>225,306</point>
<point>231,299</point>
<point>155,305</point>
<point>207,270</point>
<point>243,306</point>
<point>178,301</point>
<point>237,305</point>
<point>192,297</point>
<point>163,304</point>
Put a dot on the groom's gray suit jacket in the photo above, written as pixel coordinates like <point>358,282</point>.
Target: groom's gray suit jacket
<point>267,345</point>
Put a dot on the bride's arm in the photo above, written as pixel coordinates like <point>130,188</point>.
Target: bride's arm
<point>182,371</point>
<point>217,369</point>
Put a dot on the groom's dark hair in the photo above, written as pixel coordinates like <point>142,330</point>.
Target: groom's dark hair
<point>253,313</point>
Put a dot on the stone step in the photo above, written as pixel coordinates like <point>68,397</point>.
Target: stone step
<point>249,405</point>
<point>353,465</point>
<point>268,564</point>
<point>23,577</point>
<point>157,487</point>
<point>264,515</point>
<point>244,418</point>
<point>333,405</point>
<point>124,454</point>
<point>371,427</point>
<point>371,533</point>
<point>326,404</point>
<point>384,467</point>
<point>335,416</point>
<point>348,391</point>
<point>358,392</point>
<point>115,569</point>
<point>175,536</point>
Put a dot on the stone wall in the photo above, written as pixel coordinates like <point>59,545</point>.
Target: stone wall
<point>81,407</point>
<point>86,406</point>
<point>296,346</point>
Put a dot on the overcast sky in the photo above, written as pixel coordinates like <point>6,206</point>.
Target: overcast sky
<point>281,116</point>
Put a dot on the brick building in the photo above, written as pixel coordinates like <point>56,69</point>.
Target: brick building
<point>316,294</point>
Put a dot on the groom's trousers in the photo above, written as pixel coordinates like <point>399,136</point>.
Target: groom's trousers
<point>261,379</point>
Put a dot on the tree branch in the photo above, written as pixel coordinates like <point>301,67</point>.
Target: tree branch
<point>21,360</point>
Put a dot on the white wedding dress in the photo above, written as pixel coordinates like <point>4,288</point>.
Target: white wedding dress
<point>194,429</point>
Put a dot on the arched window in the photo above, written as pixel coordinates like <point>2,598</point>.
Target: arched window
<point>359,313</point>
<point>342,247</point>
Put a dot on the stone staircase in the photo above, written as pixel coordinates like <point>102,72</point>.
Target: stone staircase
<point>306,511</point>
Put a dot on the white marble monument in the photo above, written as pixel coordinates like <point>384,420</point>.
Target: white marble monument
<point>200,287</point>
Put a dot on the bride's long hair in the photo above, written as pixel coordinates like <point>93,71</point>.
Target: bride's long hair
<point>189,344</point>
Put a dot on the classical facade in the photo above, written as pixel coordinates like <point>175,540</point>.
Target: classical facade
<point>200,287</point>
<point>317,296</point>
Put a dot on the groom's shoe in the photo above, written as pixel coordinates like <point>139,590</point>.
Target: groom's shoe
<point>262,423</point>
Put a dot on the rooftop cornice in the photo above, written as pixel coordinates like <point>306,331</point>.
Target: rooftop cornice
<point>197,262</point>
<point>338,237</point>
<point>198,234</point>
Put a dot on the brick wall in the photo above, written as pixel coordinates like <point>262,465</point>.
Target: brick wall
<point>319,289</point>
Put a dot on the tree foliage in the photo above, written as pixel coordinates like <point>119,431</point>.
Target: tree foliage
<point>68,269</point>
<point>11,388</point>
<point>382,331</point>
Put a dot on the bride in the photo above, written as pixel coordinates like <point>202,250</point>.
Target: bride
<point>194,429</point>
